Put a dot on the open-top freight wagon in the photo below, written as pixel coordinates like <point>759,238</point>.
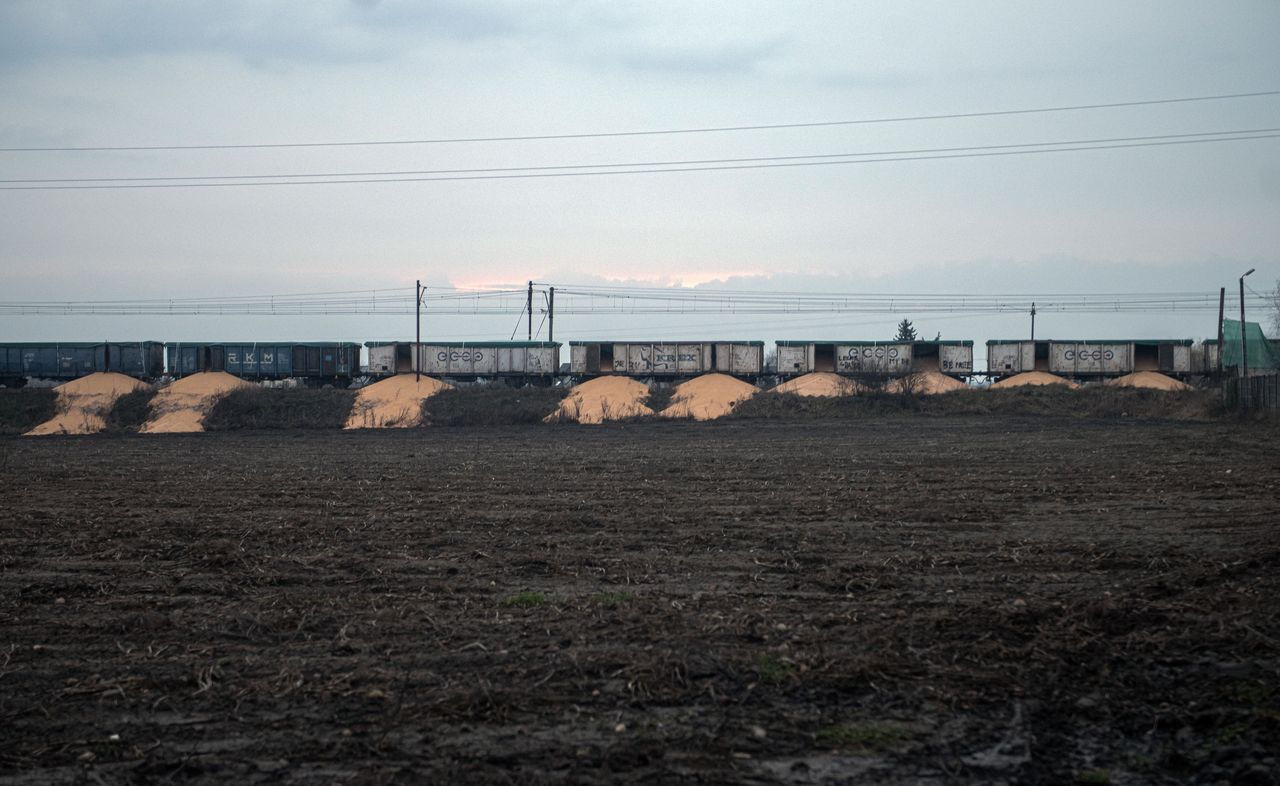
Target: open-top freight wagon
<point>73,359</point>
<point>319,361</point>
<point>1091,357</point>
<point>666,358</point>
<point>467,360</point>
<point>875,358</point>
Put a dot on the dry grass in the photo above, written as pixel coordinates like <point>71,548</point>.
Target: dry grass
<point>268,408</point>
<point>130,411</point>
<point>491,405</point>
<point>22,409</point>
<point>1090,402</point>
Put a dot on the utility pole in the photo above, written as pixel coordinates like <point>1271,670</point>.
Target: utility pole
<point>1033,321</point>
<point>1222,305</point>
<point>529,307</point>
<point>416,360</point>
<point>551,316</point>
<point>1244,348</point>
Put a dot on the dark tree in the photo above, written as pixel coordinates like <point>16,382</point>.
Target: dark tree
<point>906,332</point>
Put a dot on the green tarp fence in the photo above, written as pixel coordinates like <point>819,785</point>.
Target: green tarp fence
<point>1262,352</point>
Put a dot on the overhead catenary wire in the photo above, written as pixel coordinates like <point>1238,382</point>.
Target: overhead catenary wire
<point>633,171</point>
<point>655,132</point>
<point>617,165</point>
<point>606,300</point>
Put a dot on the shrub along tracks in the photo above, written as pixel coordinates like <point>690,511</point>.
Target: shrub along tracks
<point>905,600</point>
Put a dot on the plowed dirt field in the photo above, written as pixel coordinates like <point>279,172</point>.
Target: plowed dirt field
<point>915,600</point>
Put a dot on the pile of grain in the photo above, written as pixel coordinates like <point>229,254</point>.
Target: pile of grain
<point>820,384</point>
<point>601,399</point>
<point>181,407</point>
<point>1151,380</point>
<point>395,402</point>
<point>1033,378</point>
<point>927,383</point>
<point>83,403</point>
<point>708,397</point>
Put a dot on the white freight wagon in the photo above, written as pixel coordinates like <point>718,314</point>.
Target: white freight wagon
<point>887,358</point>
<point>490,359</point>
<point>1090,358</point>
<point>1006,358</point>
<point>466,359</point>
<point>666,358</point>
<point>1083,358</point>
<point>1204,358</point>
<point>389,357</point>
<point>1107,358</point>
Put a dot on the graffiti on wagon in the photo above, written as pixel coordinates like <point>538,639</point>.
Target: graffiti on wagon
<point>878,358</point>
<point>250,358</point>
<point>670,358</point>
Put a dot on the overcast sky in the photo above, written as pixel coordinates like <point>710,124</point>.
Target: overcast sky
<point>1174,218</point>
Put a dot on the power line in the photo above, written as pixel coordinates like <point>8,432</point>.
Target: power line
<point>589,302</point>
<point>613,290</point>
<point>639,163</point>
<point>712,168</point>
<point>661,132</point>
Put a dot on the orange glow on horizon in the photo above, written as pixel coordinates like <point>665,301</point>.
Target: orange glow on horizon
<point>681,281</point>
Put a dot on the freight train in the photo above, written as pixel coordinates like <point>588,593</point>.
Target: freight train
<point>538,362</point>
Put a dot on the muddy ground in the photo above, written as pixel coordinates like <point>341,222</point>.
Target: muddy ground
<point>907,601</point>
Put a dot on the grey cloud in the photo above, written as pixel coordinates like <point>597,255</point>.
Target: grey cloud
<point>48,29</point>
<point>35,31</point>
<point>730,58</point>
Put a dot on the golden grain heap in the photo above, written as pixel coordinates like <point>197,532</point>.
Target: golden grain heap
<point>83,403</point>
<point>928,383</point>
<point>181,408</point>
<point>1150,380</point>
<point>1033,378</point>
<point>395,402</point>
<point>601,399</point>
<point>708,397</point>
<point>822,384</point>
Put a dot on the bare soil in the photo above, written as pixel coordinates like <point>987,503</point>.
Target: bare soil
<point>918,600</point>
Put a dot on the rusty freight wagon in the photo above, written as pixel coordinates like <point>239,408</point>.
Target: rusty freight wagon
<point>316,361</point>
<point>73,359</point>
<point>875,358</point>
<point>511,360</point>
<point>1086,358</point>
<point>670,359</point>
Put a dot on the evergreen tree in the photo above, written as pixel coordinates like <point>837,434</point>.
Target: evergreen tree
<point>906,332</point>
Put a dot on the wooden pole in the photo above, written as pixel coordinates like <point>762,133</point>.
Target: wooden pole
<point>1244,352</point>
<point>551,317</point>
<point>529,307</point>
<point>416,360</point>
<point>1222,305</point>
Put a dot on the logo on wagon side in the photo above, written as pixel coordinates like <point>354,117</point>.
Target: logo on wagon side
<point>872,358</point>
<point>463,355</point>
<point>1089,354</point>
<point>879,353</point>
